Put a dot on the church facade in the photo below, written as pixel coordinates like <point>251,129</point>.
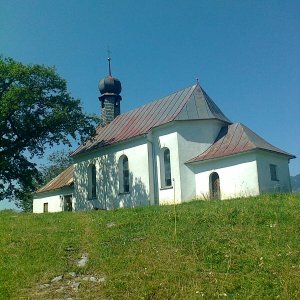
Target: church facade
<point>175,149</point>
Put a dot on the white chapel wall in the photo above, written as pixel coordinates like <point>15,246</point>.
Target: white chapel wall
<point>107,177</point>
<point>139,175</point>
<point>267,185</point>
<point>166,137</point>
<point>53,198</point>
<point>194,137</point>
<point>185,140</point>
<point>54,204</point>
<point>237,173</point>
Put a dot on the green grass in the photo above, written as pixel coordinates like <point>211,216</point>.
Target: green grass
<point>237,249</point>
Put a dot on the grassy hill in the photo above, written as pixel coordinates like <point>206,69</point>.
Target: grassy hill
<point>237,249</point>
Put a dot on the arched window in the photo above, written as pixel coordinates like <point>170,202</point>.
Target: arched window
<point>166,175</point>
<point>123,174</point>
<point>167,166</point>
<point>215,192</point>
<point>92,182</point>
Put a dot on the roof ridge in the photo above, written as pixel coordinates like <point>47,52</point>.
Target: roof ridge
<point>247,134</point>
<point>230,138</point>
<point>206,104</point>
<point>261,139</point>
<point>192,88</point>
<point>237,125</point>
<point>250,133</point>
<point>156,100</point>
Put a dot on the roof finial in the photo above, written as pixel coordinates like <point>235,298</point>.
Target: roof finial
<point>109,59</point>
<point>197,80</point>
<point>109,66</point>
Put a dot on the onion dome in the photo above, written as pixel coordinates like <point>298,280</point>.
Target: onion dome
<point>110,85</point>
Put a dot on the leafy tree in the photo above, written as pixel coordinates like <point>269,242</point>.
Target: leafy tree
<point>58,161</point>
<point>36,112</point>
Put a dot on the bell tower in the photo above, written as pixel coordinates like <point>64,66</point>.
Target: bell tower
<point>110,89</point>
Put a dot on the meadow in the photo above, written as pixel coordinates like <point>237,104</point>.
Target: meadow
<point>237,249</point>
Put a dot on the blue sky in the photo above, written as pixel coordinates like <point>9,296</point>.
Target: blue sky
<point>246,54</point>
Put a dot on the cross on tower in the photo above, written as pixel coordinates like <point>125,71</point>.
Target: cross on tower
<point>109,59</point>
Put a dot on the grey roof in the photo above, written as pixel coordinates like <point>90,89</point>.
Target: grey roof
<point>191,103</point>
<point>236,138</point>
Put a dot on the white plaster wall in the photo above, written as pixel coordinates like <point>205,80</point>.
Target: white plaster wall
<point>166,137</point>
<point>283,184</point>
<point>185,140</point>
<point>106,162</point>
<point>238,176</point>
<point>55,204</point>
<point>139,175</point>
<point>194,137</point>
<point>53,198</point>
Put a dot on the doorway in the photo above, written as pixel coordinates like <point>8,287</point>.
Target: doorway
<point>45,209</point>
<point>68,203</point>
<point>215,193</point>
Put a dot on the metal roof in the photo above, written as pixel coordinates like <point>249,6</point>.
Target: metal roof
<point>191,103</point>
<point>64,179</point>
<point>233,139</point>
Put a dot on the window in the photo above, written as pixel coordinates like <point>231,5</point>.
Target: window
<point>45,207</point>
<point>93,181</point>
<point>273,172</point>
<point>92,192</point>
<point>123,174</point>
<point>165,165</point>
<point>215,193</point>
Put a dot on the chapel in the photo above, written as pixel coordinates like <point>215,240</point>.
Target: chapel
<point>175,149</point>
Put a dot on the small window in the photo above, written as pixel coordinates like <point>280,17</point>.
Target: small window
<point>165,168</point>
<point>167,165</point>
<point>45,207</point>
<point>273,172</point>
<point>92,182</point>
<point>123,174</point>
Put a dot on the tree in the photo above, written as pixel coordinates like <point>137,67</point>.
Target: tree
<point>58,161</point>
<point>36,112</point>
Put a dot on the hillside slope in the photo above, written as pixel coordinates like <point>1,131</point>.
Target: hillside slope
<point>239,249</point>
